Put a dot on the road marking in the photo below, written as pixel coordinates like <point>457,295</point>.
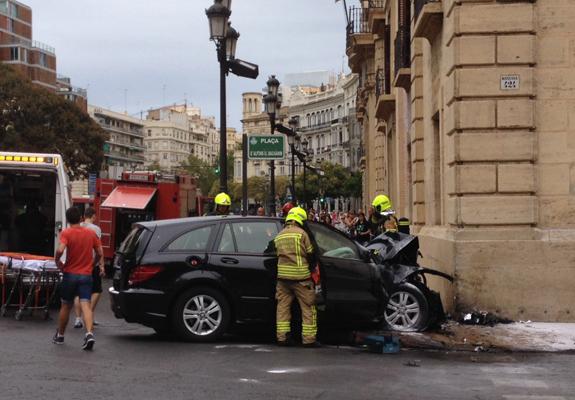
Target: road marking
<point>511,370</point>
<point>529,397</point>
<point>247,380</point>
<point>287,371</point>
<point>520,383</point>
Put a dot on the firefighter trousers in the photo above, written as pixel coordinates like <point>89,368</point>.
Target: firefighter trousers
<point>304,292</point>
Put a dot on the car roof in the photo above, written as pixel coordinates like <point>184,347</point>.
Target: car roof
<point>200,220</point>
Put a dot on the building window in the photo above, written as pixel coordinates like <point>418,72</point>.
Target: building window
<point>14,54</point>
<point>149,132</point>
<point>10,25</point>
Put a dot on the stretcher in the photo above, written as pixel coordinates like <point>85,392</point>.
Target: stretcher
<point>28,283</point>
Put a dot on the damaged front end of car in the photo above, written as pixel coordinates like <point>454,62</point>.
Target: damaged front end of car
<point>412,305</point>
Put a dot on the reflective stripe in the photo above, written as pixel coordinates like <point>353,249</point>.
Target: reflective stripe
<point>404,223</point>
<point>309,249</point>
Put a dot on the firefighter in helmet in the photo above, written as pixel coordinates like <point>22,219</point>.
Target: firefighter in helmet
<point>295,255</point>
<point>382,218</point>
<point>223,203</point>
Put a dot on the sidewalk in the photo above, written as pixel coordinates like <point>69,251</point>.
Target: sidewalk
<point>515,337</point>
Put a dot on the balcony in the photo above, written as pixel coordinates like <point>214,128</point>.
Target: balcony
<point>385,99</point>
<point>376,15</point>
<point>43,47</point>
<point>359,38</point>
<point>428,18</point>
<point>402,58</point>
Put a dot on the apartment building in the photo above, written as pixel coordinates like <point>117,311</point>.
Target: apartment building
<point>173,133</point>
<point>72,93</point>
<point>125,148</point>
<point>327,121</point>
<point>466,108</point>
<point>35,60</point>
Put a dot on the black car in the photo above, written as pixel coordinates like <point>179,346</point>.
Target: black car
<point>198,277</point>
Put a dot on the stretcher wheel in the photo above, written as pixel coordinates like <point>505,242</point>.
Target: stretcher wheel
<point>18,315</point>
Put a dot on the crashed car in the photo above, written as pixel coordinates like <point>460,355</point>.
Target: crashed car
<point>200,277</point>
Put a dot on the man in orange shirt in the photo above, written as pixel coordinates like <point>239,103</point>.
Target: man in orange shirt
<point>79,244</point>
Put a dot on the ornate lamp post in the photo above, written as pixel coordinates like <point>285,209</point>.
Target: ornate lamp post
<point>226,38</point>
<point>272,103</point>
<point>304,145</point>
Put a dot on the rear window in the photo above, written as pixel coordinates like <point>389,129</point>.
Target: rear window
<point>195,240</point>
<point>130,244</point>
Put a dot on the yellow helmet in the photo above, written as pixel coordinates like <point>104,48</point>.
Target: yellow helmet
<point>297,214</point>
<point>381,203</point>
<point>222,199</point>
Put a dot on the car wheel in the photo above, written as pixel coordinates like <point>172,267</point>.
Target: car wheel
<point>407,309</point>
<point>201,315</point>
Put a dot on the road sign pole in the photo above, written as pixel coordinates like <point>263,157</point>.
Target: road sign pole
<point>272,174</point>
<point>245,174</point>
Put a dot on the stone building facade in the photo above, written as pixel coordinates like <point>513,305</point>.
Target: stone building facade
<point>327,122</point>
<point>174,133</point>
<point>466,108</point>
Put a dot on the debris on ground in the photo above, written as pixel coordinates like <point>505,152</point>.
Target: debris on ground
<point>413,363</point>
<point>382,344</point>
<point>483,318</point>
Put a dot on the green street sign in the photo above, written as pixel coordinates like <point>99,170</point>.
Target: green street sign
<point>266,147</point>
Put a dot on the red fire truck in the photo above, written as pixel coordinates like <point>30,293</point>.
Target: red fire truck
<point>141,196</point>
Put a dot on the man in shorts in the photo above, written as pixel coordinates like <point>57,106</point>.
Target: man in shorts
<point>79,244</point>
<point>89,219</point>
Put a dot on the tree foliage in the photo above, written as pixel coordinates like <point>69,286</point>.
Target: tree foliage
<point>337,181</point>
<point>34,119</point>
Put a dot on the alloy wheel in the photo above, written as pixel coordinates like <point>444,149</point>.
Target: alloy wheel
<point>202,315</point>
<point>403,311</point>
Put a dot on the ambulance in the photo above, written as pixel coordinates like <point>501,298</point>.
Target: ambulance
<point>34,197</point>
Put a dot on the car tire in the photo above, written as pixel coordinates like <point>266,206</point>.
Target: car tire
<point>201,314</point>
<point>407,309</point>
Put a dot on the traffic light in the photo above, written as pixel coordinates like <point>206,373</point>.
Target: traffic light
<point>217,170</point>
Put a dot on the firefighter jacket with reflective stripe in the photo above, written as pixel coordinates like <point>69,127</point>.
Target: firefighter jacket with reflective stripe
<point>293,247</point>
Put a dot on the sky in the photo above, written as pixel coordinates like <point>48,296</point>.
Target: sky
<point>139,54</point>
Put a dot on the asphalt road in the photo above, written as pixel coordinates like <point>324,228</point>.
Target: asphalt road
<point>131,362</point>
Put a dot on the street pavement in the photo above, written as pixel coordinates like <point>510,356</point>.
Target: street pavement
<point>131,362</point>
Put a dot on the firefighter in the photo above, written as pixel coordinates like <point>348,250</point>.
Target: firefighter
<point>295,255</point>
<point>223,204</point>
<point>382,218</point>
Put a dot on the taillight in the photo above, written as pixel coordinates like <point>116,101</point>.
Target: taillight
<point>142,273</point>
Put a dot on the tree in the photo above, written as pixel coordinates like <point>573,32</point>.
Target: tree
<point>34,119</point>
<point>204,173</point>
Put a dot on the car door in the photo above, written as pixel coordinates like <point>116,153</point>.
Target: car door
<point>240,256</point>
<point>347,280</point>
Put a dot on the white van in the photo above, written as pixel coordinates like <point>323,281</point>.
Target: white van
<point>34,197</point>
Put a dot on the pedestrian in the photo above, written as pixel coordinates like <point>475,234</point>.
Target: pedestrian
<point>79,244</point>
<point>362,229</point>
<point>311,215</point>
<point>89,222</point>
<point>261,212</point>
<point>295,256</point>
<point>341,225</point>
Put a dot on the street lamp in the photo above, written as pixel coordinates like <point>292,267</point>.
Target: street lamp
<point>272,103</point>
<point>218,17</point>
<point>294,124</point>
<point>304,145</point>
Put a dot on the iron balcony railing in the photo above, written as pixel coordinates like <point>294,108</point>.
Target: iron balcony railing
<point>382,83</point>
<point>418,6</point>
<point>357,23</point>
<point>44,47</point>
<point>377,3</point>
<point>402,48</point>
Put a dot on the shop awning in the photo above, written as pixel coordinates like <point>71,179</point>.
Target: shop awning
<point>134,197</point>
